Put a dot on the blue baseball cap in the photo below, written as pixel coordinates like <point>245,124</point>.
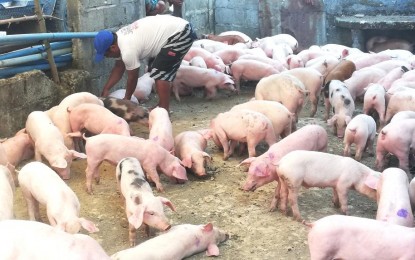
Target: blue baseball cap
<point>103,40</point>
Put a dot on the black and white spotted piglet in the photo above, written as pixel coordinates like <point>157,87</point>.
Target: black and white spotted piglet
<point>141,205</point>
<point>128,110</point>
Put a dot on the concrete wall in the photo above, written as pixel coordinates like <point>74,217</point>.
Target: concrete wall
<point>201,14</point>
<point>263,18</point>
<point>237,15</point>
<point>30,91</point>
<point>335,8</point>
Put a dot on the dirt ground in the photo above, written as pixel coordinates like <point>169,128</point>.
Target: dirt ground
<point>255,232</point>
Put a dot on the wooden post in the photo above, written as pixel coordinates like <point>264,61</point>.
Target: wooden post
<point>42,25</point>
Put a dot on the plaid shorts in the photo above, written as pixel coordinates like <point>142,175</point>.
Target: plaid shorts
<point>167,62</point>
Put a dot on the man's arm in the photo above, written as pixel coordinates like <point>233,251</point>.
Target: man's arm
<point>115,76</point>
<point>131,83</point>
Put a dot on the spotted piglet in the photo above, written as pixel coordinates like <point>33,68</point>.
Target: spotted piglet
<point>128,110</point>
<point>141,206</point>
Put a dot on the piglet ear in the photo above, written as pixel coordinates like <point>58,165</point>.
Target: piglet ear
<point>179,173</point>
<point>332,120</point>
<point>136,219</point>
<point>207,156</point>
<point>264,173</point>
<point>208,227</point>
<point>247,161</point>
<point>206,133</point>
<point>187,162</point>
<point>88,225</point>
<point>212,250</point>
<point>372,180</point>
<point>59,163</point>
<point>168,203</point>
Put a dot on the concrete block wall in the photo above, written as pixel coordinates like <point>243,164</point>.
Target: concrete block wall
<point>201,14</point>
<point>237,15</point>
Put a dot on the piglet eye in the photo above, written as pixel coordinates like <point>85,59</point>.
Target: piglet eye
<point>151,213</point>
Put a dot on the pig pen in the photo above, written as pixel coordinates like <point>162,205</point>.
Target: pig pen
<point>255,232</point>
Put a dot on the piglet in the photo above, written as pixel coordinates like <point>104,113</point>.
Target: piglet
<point>161,130</point>
<point>141,206</point>
<point>198,61</point>
<point>283,88</point>
<point>402,115</point>
<point>394,205</point>
<point>144,87</point>
<point>412,194</point>
<point>41,185</point>
<point>129,111</point>
<point>241,126</point>
<point>59,116</point>
<point>190,147</point>
<point>375,100</point>
<point>342,71</point>
<point>262,169</point>
<point>360,131</point>
<point>396,138</point>
<point>179,242</point>
<point>49,143</point>
<point>96,119</point>
<point>211,80</point>
<point>120,93</point>
<point>338,97</point>
<point>7,188</point>
<point>282,120</point>
<point>23,239</point>
<point>313,81</point>
<point>212,61</point>
<point>346,237</point>
<point>246,69</point>
<point>16,149</point>
<point>400,101</point>
<point>315,169</point>
<point>113,148</point>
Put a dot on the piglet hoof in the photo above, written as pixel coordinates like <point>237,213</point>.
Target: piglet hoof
<point>272,209</point>
<point>88,189</point>
<point>284,211</point>
<point>97,180</point>
<point>298,218</point>
<point>160,188</point>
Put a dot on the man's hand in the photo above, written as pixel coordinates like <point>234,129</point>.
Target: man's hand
<point>180,2</point>
<point>104,93</point>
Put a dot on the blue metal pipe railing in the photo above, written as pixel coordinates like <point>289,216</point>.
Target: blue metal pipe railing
<point>7,72</point>
<point>45,36</point>
<point>60,58</point>
<point>35,49</point>
<point>34,57</point>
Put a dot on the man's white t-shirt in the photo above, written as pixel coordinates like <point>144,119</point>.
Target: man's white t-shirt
<point>145,37</point>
